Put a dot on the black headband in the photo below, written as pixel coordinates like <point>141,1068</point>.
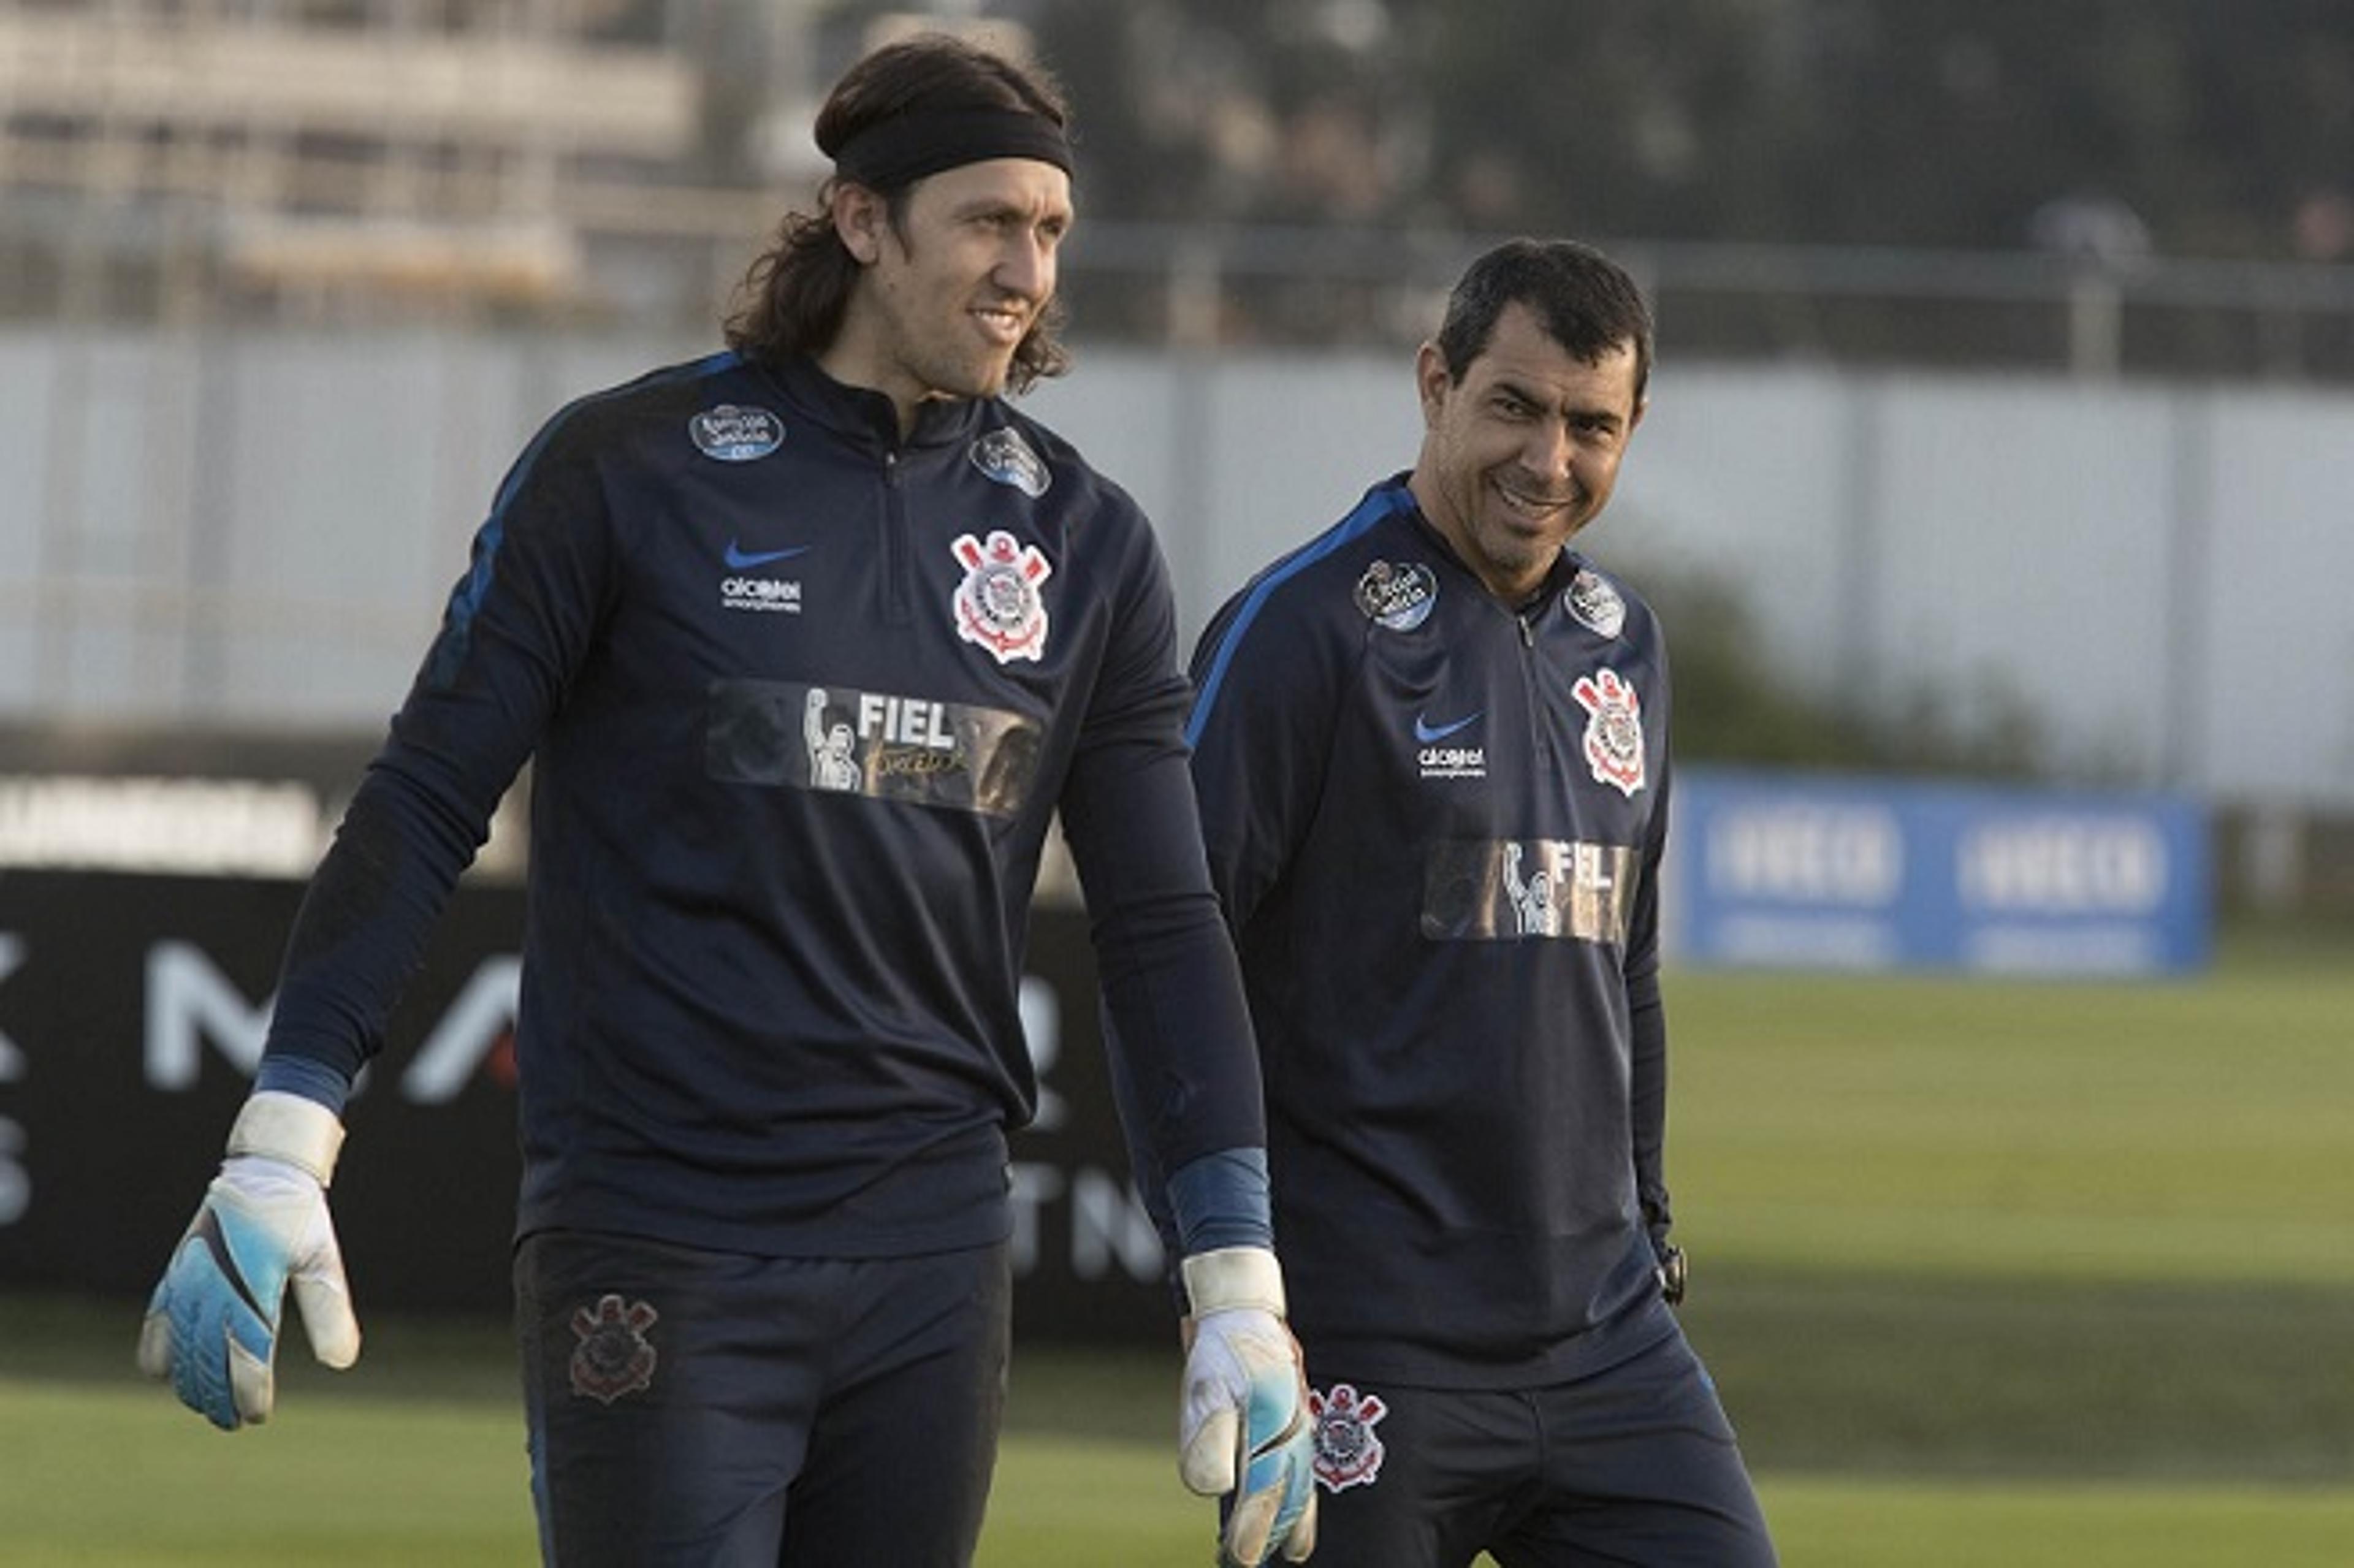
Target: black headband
<point>907,146</point>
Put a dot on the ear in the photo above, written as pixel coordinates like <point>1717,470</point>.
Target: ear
<point>859,216</point>
<point>1432,381</point>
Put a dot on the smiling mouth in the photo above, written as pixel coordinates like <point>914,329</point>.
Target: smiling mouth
<point>1540,507</point>
<point>1002,323</point>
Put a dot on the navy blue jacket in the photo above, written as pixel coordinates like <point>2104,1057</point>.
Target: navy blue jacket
<point>801,699</point>
<point>1436,826</point>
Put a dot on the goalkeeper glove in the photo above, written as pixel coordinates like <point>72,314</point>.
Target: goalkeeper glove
<point>212,1324</point>
<point>1244,1422</point>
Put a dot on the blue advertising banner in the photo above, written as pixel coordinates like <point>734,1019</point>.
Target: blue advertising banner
<point>1805,871</point>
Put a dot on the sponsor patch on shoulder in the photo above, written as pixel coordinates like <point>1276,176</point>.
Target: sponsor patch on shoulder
<point>1400,598</point>
<point>1594,604</point>
<point>729,434</point>
<point>1006,457</point>
<point>1348,1454</point>
<point>614,1356</point>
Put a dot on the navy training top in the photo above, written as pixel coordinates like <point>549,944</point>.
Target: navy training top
<point>801,699</point>
<point>1436,826</point>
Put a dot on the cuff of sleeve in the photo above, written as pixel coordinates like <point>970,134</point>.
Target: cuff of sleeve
<point>282,1072</point>
<point>1221,1201</point>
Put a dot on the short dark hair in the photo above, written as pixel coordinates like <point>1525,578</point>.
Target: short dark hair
<point>793,295</point>
<point>1587,303</point>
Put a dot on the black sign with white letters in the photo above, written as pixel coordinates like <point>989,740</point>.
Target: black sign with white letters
<point>133,1011</point>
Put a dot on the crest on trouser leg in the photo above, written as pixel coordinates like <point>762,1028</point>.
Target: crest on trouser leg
<point>1348,1454</point>
<point>614,1356</point>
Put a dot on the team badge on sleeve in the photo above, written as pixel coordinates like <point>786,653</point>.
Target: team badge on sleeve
<point>1595,603</point>
<point>1399,597</point>
<point>730,434</point>
<point>614,1356</point>
<point>998,605</point>
<point>1614,730</point>
<point>1006,457</point>
<point>1347,1452</point>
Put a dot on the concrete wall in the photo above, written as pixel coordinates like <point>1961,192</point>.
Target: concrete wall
<point>261,529</point>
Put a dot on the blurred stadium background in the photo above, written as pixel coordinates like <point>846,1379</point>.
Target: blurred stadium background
<point>1995,489</point>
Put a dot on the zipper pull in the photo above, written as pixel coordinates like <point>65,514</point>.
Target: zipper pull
<point>1528,632</point>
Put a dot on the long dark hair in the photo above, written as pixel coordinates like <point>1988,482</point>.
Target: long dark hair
<point>792,297</point>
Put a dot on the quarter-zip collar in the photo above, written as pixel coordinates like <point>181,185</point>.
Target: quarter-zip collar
<point>1565,566</point>
<point>865,416</point>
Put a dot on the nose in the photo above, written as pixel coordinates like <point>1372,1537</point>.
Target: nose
<point>1027,267</point>
<point>1548,450</point>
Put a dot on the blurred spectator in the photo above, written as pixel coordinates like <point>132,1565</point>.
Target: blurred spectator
<point>2323,226</point>
<point>2091,227</point>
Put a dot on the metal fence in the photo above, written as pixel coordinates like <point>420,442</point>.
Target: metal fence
<point>635,259</point>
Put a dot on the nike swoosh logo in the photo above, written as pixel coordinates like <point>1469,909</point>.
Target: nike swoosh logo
<point>740,559</point>
<point>208,1230</point>
<point>1425,732</point>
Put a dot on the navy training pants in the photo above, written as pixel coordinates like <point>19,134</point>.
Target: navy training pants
<point>692,1409</point>
<point>1634,1466</point>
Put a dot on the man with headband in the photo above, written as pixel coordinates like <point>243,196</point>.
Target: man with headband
<point>768,1047</point>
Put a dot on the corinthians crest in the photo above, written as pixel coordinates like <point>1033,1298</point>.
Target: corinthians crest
<point>997,605</point>
<point>1347,1452</point>
<point>614,1356</point>
<point>1614,729</point>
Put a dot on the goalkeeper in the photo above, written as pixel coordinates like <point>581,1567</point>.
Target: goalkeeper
<point>1431,751</point>
<point>769,1047</point>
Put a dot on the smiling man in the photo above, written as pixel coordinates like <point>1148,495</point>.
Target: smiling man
<point>808,642</point>
<point>1431,747</point>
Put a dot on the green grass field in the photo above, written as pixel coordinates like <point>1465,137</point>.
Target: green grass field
<point>1990,1274</point>
<point>107,1477</point>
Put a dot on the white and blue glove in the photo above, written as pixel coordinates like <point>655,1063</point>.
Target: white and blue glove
<point>212,1324</point>
<point>1244,1425</point>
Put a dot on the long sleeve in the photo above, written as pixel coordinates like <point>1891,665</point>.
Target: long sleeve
<point>1180,1033</point>
<point>1261,734</point>
<point>1647,1021</point>
<point>517,624</point>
